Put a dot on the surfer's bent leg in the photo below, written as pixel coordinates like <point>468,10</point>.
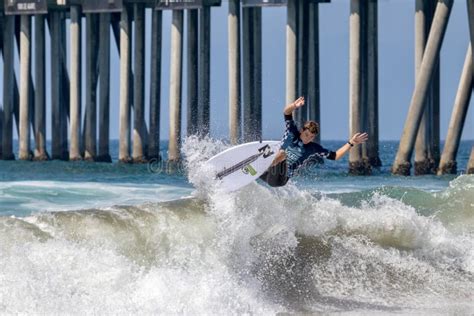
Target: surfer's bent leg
<point>276,176</point>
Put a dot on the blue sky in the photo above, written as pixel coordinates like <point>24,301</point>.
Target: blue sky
<point>396,69</point>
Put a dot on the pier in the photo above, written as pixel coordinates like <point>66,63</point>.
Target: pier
<point>81,126</point>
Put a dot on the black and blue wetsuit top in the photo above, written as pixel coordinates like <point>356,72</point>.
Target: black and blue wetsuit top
<point>298,153</point>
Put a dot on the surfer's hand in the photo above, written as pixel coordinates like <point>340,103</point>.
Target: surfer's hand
<point>359,138</point>
<point>294,105</point>
<point>280,156</point>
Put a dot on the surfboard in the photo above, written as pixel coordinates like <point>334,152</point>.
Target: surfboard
<point>240,165</point>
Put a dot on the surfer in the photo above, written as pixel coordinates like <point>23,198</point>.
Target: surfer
<point>298,148</point>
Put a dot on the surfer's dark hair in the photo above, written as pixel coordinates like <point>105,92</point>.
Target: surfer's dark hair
<point>312,127</point>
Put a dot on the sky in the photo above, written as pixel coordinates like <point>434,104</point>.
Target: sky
<point>396,70</point>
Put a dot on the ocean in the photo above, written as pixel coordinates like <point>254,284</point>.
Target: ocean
<point>100,238</point>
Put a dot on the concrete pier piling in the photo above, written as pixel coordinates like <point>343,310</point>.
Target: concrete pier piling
<point>363,87</point>
<point>470,16</point>
<point>402,164</point>
<point>1,107</point>
<point>313,99</point>
<point>175,86</point>
<point>25,73</point>
<point>470,164</point>
<point>155,85</point>
<point>257,55</point>
<point>139,126</point>
<point>65,84</point>
<point>40,152</point>
<point>8,87</point>
<point>461,104</point>
<point>16,104</point>
<point>372,145</point>
<point>57,93</point>
<point>357,166</point>
<point>1,133</point>
<point>248,80</point>
<point>59,86</point>
<point>31,88</point>
<point>75,99</point>
<point>204,70</point>
<point>363,98</point>
<point>125,77</point>
<point>425,156</point>
<point>301,114</point>
<point>104,86</point>
<point>252,73</point>
<point>192,72</point>
<point>291,50</point>
<point>235,118</point>
<point>435,140</point>
<point>90,124</point>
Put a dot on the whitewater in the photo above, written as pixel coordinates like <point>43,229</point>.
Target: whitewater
<point>82,238</point>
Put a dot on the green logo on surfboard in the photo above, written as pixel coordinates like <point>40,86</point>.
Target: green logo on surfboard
<point>249,169</point>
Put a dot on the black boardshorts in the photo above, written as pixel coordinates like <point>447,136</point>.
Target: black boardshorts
<point>276,176</point>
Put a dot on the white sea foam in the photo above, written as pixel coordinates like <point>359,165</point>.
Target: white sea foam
<point>224,255</point>
<point>196,152</point>
<point>132,260</point>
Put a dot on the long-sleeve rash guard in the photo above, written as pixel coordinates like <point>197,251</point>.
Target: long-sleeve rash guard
<point>298,153</point>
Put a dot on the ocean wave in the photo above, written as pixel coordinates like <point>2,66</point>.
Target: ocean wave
<point>454,205</point>
<point>22,198</point>
<point>259,250</point>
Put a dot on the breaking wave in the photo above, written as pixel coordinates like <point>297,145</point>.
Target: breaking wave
<point>255,251</point>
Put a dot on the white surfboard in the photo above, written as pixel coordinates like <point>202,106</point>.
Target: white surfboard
<point>240,165</point>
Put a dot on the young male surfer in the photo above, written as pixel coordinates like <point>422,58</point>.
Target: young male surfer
<point>298,148</point>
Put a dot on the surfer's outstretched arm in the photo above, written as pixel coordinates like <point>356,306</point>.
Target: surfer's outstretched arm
<point>358,138</point>
<point>293,106</point>
<point>291,130</point>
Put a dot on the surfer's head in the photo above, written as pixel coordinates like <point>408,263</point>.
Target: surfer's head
<point>309,131</point>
